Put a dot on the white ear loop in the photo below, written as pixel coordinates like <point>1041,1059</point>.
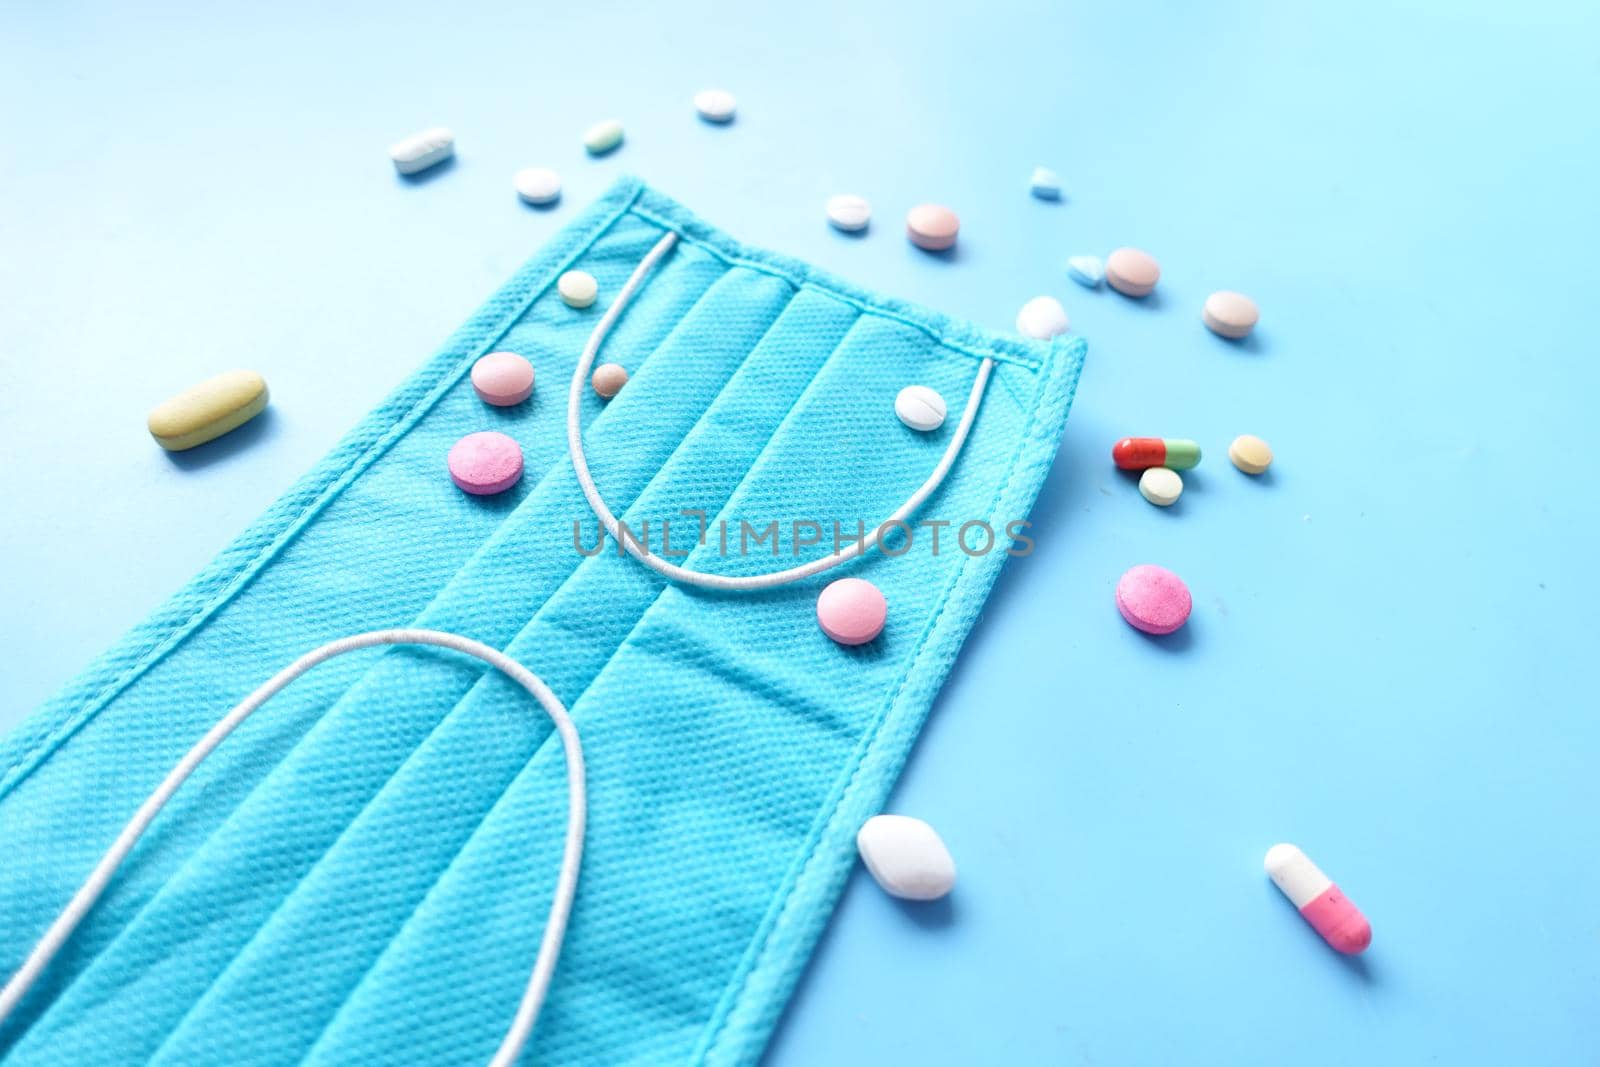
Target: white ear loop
<point>580,464</point>
<point>566,881</point>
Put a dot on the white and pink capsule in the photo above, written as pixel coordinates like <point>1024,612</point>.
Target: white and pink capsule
<point>1329,911</point>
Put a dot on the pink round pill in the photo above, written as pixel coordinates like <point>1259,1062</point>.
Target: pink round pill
<point>1132,272</point>
<point>1153,599</point>
<point>932,226</point>
<point>503,379</point>
<point>485,463</point>
<point>852,611</point>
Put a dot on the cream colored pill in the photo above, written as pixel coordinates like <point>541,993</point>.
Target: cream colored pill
<point>578,288</point>
<point>715,105</point>
<point>1161,486</point>
<point>602,137</point>
<point>206,411</point>
<point>423,150</point>
<point>1132,272</point>
<point>849,212</point>
<point>920,408</point>
<point>538,185</point>
<point>1250,453</point>
<point>1231,315</point>
<point>1042,318</point>
<point>608,379</point>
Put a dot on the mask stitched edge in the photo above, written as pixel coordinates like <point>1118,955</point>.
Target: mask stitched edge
<point>738,1028</point>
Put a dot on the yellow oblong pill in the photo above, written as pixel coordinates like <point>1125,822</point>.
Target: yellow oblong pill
<point>208,410</point>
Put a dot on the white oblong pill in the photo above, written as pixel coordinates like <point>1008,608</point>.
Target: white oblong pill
<point>538,185</point>
<point>715,105</point>
<point>602,137</point>
<point>1042,318</point>
<point>906,857</point>
<point>1045,184</point>
<point>423,150</point>
<point>578,288</point>
<point>1087,271</point>
<point>920,408</point>
<point>849,212</point>
<point>1161,486</point>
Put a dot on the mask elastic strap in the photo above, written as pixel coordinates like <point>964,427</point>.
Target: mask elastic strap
<point>566,882</point>
<point>722,581</point>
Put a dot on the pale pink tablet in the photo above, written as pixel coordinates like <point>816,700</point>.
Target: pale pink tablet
<point>1153,599</point>
<point>485,463</point>
<point>1132,272</point>
<point>932,226</point>
<point>503,379</point>
<point>852,611</point>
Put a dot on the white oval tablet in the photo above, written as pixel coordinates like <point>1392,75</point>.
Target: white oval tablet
<point>920,408</point>
<point>1042,318</point>
<point>423,150</point>
<point>849,212</point>
<point>1161,486</point>
<point>906,857</point>
<point>602,137</point>
<point>578,288</point>
<point>538,185</point>
<point>715,105</point>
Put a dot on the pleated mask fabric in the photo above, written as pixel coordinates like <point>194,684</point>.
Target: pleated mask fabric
<point>362,871</point>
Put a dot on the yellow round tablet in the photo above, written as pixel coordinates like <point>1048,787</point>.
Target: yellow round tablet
<point>1250,453</point>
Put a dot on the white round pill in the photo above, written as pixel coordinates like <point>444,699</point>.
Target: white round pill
<point>715,105</point>
<point>578,288</point>
<point>538,185</point>
<point>920,408</point>
<point>1161,486</point>
<point>906,857</point>
<point>1042,318</point>
<point>849,212</point>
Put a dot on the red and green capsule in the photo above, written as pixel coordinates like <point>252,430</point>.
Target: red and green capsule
<point>1138,453</point>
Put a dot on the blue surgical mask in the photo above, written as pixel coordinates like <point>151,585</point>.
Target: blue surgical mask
<point>365,870</point>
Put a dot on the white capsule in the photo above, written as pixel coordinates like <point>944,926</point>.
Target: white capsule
<point>1318,900</point>
<point>849,212</point>
<point>920,408</point>
<point>538,185</point>
<point>1042,318</point>
<point>715,105</point>
<point>602,137</point>
<point>423,150</point>
<point>906,857</point>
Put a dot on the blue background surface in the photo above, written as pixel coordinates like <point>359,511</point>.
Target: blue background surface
<point>1386,662</point>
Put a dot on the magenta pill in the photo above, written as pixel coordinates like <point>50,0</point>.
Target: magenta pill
<point>852,611</point>
<point>1153,599</point>
<point>485,463</point>
<point>503,379</point>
